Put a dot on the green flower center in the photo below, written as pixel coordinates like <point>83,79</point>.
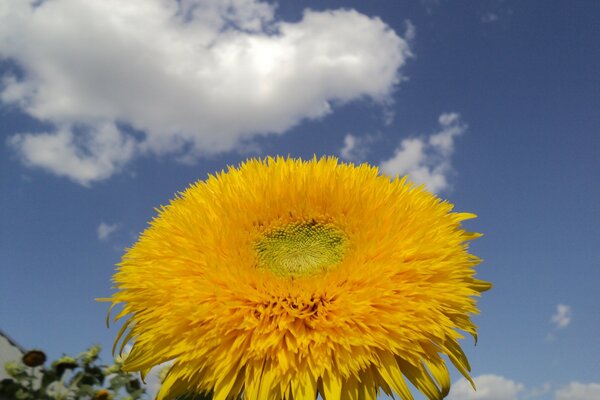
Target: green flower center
<point>301,249</point>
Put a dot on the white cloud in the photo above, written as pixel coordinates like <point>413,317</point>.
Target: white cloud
<point>430,5</point>
<point>105,230</point>
<point>190,76</point>
<point>495,387</point>
<point>350,147</point>
<point>579,391</point>
<point>155,377</point>
<point>489,18</point>
<point>489,387</point>
<point>550,337</point>
<point>411,31</point>
<point>83,155</point>
<point>356,148</point>
<point>427,160</point>
<point>538,391</point>
<point>562,318</point>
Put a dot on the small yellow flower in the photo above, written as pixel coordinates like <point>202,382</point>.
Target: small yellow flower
<point>102,394</point>
<point>285,279</point>
<point>64,363</point>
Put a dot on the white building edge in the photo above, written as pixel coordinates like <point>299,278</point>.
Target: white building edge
<point>9,351</point>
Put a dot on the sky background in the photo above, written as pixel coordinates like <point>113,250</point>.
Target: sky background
<point>108,109</point>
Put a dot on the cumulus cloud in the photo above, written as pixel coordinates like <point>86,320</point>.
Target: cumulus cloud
<point>427,160</point>
<point>356,148</point>
<point>537,391</point>
<point>83,155</point>
<point>189,76</point>
<point>579,391</point>
<point>105,230</point>
<point>496,387</point>
<point>153,381</point>
<point>562,318</point>
<point>489,387</point>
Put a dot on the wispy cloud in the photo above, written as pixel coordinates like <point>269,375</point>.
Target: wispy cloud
<point>356,148</point>
<point>61,151</point>
<point>579,391</point>
<point>497,387</point>
<point>489,387</point>
<point>430,5</point>
<point>489,18</point>
<point>105,230</point>
<point>562,318</point>
<point>537,391</point>
<point>427,160</point>
<point>197,77</point>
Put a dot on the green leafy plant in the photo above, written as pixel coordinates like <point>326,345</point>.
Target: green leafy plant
<point>68,378</point>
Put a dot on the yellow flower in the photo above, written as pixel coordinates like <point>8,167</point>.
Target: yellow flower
<point>102,394</point>
<point>284,279</point>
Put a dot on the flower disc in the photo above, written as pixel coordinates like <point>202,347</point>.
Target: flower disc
<point>286,279</point>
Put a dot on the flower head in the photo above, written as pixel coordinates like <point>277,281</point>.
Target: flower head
<point>102,394</point>
<point>34,358</point>
<point>14,368</point>
<point>284,279</point>
<point>64,363</point>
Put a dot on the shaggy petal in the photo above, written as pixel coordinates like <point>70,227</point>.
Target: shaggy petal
<point>288,279</point>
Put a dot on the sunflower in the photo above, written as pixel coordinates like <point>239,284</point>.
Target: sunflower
<point>289,279</point>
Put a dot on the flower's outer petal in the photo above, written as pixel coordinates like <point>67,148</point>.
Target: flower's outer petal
<point>225,384</point>
<point>110,308</point>
<point>171,386</point>
<point>458,358</point>
<point>465,216</point>
<point>480,286</point>
<point>253,377</point>
<point>306,387</point>
<point>268,386</point>
<point>368,388</point>
<point>389,370</point>
<point>332,385</point>
<point>381,383</point>
<point>120,334</point>
<point>439,370</point>
<point>419,377</point>
<point>144,373</point>
<point>126,340</point>
<point>350,390</point>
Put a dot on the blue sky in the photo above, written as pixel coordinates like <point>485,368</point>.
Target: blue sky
<point>107,111</point>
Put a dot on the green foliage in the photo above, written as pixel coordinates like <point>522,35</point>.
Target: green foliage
<point>68,378</point>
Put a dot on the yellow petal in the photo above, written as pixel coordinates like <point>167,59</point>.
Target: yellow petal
<point>332,386</point>
<point>421,379</point>
<point>389,370</point>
